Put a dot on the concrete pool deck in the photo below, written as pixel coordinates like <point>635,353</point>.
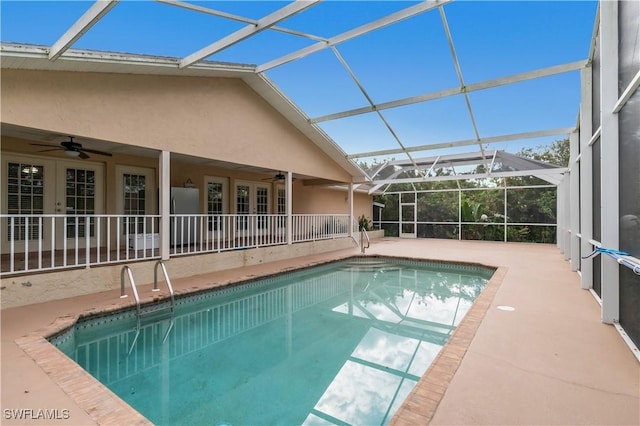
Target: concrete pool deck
<point>549,361</point>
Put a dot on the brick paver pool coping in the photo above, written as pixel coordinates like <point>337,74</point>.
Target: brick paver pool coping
<point>422,402</point>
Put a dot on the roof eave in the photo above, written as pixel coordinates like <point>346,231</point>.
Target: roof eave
<point>33,57</point>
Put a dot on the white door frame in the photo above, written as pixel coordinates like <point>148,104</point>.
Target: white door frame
<point>410,224</point>
<point>61,198</point>
<point>253,203</point>
<point>49,197</point>
<point>54,198</point>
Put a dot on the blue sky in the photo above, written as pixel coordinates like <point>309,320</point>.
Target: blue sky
<point>492,40</point>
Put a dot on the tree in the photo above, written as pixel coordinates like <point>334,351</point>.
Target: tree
<point>482,207</point>
<point>557,153</point>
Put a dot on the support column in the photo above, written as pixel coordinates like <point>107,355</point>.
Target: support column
<point>560,215</point>
<point>574,200</point>
<point>586,178</point>
<point>351,218</point>
<point>609,154</point>
<point>164,168</point>
<point>289,207</point>
<point>567,216</point>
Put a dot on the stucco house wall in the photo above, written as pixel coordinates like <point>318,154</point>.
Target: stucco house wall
<point>217,118</point>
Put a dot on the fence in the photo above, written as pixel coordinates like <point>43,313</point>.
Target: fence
<point>47,242</point>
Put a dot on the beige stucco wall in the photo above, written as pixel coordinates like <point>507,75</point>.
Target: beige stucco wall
<point>219,118</point>
<point>306,199</point>
<point>317,199</point>
<point>210,118</point>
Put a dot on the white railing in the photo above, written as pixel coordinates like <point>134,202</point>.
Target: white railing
<point>50,241</point>
<point>45,242</point>
<point>199,233</point>
<point>314,227</point>
<point>214,233</point>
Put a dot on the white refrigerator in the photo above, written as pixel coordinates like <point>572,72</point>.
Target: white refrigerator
<point>184,230</point>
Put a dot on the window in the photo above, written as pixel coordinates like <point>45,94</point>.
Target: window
<point>282,206</point>
<point>25,195</point>
<point>282,201</point>
<point>80,186</point>
<point>262,206</point>
<point>215,203</point>
<point>134,202</point>
<point>242,204</point>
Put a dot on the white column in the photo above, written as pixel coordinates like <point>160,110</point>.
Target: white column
<point>289,192</point>
<point>504,210</point>
<point>164,167</point>
<point>574,201</point>
<point>586,178</point>
<point>567,217</point>
<point>609,155</point>
<point>560,215</point>
<point>351,219</point>
<point>564,202</point>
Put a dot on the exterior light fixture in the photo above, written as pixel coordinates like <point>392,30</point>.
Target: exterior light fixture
<point>30,169</point>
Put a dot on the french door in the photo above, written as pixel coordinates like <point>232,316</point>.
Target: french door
<point>79,193</point>
<point>37,186</point>
<point>252,198</point>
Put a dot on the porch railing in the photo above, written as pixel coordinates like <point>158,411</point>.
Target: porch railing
<point>50,241</point>
<point>214,233</point>
<point>32,243</point>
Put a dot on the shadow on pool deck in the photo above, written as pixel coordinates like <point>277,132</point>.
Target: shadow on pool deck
<point>549,361</point>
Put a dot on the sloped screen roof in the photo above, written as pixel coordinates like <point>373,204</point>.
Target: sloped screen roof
<point>387,81</point>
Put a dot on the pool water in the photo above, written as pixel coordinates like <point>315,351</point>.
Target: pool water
<point>337,344</point>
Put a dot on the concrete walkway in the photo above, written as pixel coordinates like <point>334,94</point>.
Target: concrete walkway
<point>549,361</point>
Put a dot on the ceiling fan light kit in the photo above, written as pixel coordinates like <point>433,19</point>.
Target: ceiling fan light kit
<point>71,148</point>
<point>278,177</point>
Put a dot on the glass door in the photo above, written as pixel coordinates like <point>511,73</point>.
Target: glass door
<point>29,189</point>
<point>79,197</point>
<point>252,198</point>
<point>408,215</point>
<point>407,221</point>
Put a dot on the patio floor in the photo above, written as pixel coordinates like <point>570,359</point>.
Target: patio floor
<point>549,361</point>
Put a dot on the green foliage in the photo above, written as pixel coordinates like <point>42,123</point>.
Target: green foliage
<point>483,208</point>
<point>364,223</point>
<point>557,153</point>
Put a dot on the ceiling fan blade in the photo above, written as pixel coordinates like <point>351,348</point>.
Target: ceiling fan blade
<point>43,144</point>
<point>93,151</point>
<point>83,155</point>
<point>52,149</point>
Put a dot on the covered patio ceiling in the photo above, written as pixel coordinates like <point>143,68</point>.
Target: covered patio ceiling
<point>394,84</point>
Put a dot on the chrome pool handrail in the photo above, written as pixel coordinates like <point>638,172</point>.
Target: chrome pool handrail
<point>364,235</point>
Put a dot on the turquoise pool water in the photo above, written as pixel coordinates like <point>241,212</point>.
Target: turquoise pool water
<point>342,343</point>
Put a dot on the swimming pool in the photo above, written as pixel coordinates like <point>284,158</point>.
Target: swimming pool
<point>342,343</point>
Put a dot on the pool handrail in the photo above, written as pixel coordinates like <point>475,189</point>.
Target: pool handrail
<point>364,235</point>
<point>166,280</point>
<point>134,288</point>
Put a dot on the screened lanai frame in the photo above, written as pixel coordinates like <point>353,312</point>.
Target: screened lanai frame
<point>484,164</point>
<point>598,202</point>
<point>594,192</point>
<point>276,22</point>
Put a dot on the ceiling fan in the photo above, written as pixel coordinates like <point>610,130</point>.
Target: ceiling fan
<point>278,177</point>
<point>72,149</point>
